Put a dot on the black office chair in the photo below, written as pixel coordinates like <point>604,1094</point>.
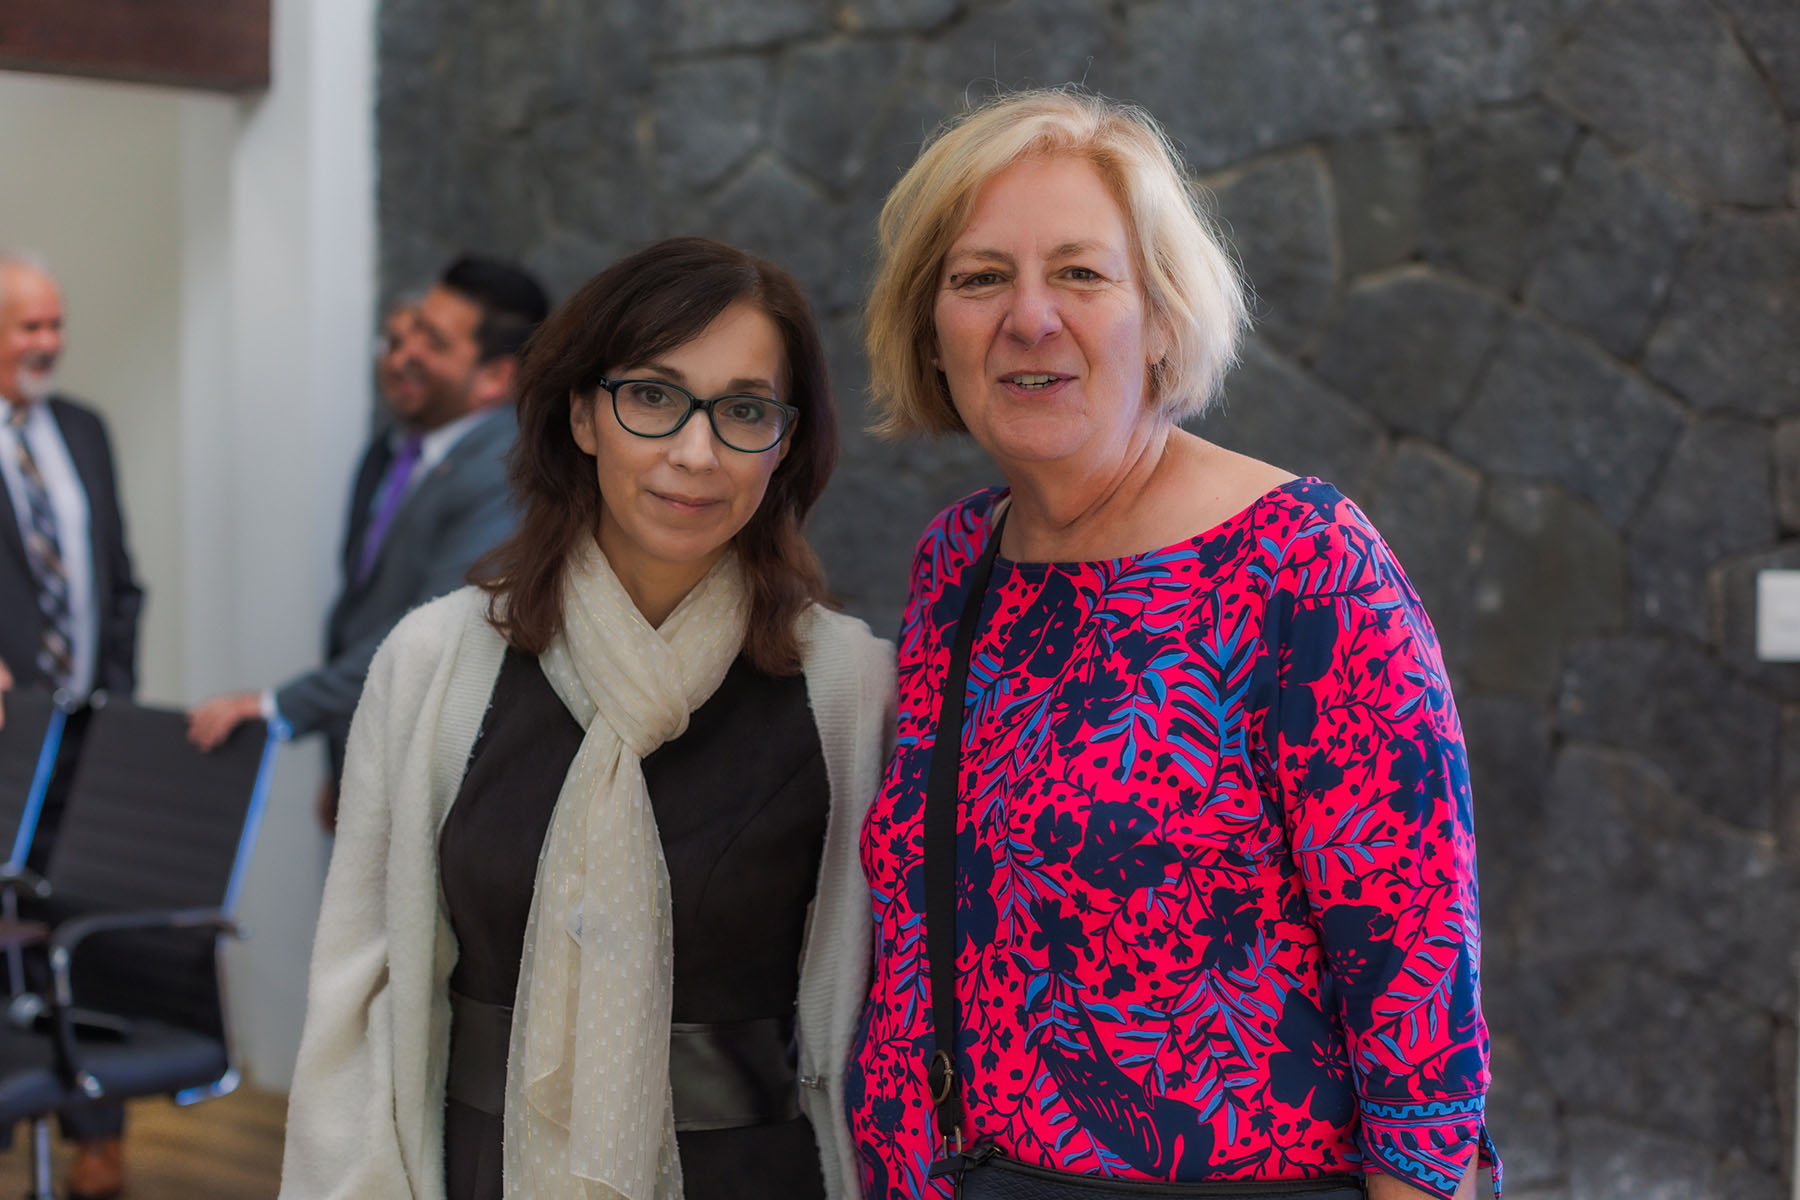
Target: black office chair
<point>29,743</point>
<point>144,880</point>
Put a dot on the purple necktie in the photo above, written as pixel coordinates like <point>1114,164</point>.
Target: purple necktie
<point>393,490</point>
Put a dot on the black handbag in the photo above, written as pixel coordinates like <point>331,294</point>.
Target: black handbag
<point>979,1171</point>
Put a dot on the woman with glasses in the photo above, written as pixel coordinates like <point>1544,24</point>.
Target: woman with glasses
<point>594,924</point>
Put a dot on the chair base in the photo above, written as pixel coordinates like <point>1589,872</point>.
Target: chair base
<point>40,1161</point>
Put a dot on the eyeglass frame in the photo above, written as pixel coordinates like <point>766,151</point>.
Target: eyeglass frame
<point>695,403</point>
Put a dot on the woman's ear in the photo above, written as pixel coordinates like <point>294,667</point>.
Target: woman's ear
<point>581,422</point>
<point>1160,342</point>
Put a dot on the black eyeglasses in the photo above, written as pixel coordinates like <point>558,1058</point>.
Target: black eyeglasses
<point>656,408</point>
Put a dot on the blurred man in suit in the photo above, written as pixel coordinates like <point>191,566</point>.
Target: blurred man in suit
<point>430,496</point>
<point>68,601</point>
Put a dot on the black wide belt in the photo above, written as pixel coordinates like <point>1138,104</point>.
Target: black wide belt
<point>725,1075</point>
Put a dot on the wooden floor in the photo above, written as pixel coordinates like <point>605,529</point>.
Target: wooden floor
<point>224,1149</point>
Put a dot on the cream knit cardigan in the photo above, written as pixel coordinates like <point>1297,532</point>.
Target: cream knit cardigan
<point>366,1112</point>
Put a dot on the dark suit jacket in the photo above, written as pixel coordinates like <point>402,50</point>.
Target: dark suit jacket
<point>117,597</point>
<point>453,516</point>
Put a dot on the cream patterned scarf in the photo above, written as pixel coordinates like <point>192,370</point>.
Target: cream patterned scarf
<point>588,1112</point>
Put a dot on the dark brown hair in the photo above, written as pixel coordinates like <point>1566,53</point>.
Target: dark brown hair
<point>640,307</point>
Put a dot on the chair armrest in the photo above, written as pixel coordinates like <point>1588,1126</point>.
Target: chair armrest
<point>73,932</point>
<point>69,935</point>
<point>16,934</point>
<point>17,879</point>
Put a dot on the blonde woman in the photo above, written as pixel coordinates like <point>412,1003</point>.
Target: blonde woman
<point>1174,867</point>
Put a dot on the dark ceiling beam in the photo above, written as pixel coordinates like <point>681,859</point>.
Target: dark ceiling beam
<point>218,45</point>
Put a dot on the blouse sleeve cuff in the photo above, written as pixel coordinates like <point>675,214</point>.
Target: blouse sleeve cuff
<point>1428,1144</point>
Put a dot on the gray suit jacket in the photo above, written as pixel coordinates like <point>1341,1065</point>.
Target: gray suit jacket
<point>453,516</point>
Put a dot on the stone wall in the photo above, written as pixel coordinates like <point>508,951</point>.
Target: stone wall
<point>1528,278</point>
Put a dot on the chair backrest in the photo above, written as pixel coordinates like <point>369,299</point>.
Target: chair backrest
<point>152,823</point>
<point>28,746</point>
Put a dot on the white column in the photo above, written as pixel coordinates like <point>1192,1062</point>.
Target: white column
<point>278,283</point>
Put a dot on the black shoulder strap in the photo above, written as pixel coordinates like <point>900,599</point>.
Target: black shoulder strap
<point>940,845</point>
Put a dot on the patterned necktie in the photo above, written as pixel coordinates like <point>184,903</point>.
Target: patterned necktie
<point>393,489</point>
<point>55,655</point>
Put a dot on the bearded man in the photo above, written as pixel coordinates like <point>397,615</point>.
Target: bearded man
<point>429,499</point>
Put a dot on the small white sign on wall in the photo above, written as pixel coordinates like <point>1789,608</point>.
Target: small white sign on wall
<point>1778,616</point>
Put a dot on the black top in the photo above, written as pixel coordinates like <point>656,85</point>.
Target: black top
<point>740,800</point>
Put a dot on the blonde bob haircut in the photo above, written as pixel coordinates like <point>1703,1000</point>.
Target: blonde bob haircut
<point>1189,284</point>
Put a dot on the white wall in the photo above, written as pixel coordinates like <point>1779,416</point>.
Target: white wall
<point>217,259</point>
<point>90,177</point>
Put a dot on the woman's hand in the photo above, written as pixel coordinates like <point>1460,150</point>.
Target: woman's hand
<point>1392,1187</point>
<point>6,682</point>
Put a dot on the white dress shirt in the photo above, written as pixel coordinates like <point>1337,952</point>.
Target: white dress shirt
<point>439,442</point>
<point>69,506</point>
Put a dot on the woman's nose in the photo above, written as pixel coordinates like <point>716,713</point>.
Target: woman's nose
<point>1033,315</point>
<point>693,446</point>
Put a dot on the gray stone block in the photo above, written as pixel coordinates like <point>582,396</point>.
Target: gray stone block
<point>1232,79</point>
<point>769,210</point>
<point>1022,43</point>
<point>1408,347</point>
<point>842,336</point>
<point>1733,600</point>
<point>1379,180</point>
<point>1616,1162</point>
<point>1630,874</point>
<point>895,16</point>
<point>1794,157</point>
<point>1728,338</point>
<point>1521,1115</point>
<point>1450,55</point>
<point>1735,1181</point>
<point>1490,184</point>
<point>1273,410</point>
<point>600,181</point>
<point>1547,569</point>
<point>564,261</point>
<point>1714,500</point>
<point>709,118</point>
<point>1712,734</point>
<point>410,29</point>
<point>889,146</point>
<point>1424,502</point>
<point>1787,781</point>
<point>1667,80</point>
<point>1508,743</point>
<point>1611,252</point>
<point>830,97</point>
<point>1787,474</point>
<point>1771,29</point>
<point>701,26</point>
<point>510,212</point>
<point>1552,408</point>
<point>1689,1069</point>
<point>1277,213</point>
<point>879,502</point>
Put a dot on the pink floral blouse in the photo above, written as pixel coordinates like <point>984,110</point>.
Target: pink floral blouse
<point>1216,912</point>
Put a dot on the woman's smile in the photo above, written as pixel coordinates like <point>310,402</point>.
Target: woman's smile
<point>682,503</point>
